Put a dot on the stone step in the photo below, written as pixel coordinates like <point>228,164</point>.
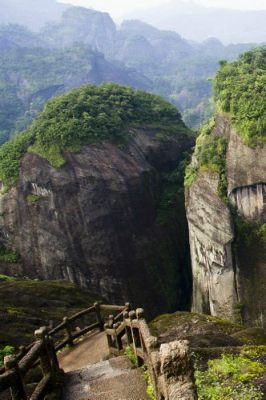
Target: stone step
<point>113,379</point>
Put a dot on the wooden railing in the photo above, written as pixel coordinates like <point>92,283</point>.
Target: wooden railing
<point>169,365</point>
<point>43,350</point>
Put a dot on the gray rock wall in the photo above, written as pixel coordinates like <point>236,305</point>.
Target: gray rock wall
<point>94,222</point>
<point>229,275</point>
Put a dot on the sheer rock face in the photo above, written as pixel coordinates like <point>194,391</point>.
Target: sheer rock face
<point>227,274</point>
<point>93,221</point>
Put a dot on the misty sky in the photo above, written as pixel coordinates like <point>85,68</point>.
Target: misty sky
<point>118,8</point>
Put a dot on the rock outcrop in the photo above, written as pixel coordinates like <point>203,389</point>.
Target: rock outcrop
<point>227,253</point>
<point>94,221</point>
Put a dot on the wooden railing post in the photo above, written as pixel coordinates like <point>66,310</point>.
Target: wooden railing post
<point>99,316</point>
<point>128,329</point>
<point>52,355</point>
<point>118,338</point>
<point>68,331</point>
<point>17,387</point>
<point>45,361</point>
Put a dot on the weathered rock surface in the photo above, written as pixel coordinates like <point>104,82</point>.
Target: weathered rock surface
<point>228,275</point>
<point>93,221</point>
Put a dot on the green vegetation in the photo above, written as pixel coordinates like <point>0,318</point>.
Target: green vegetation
<point>230,378</point>
<point>131,356</point>
<point>87,115</point>
<point>32,198</point>
<point>150,388</point>
<point>5,351</point>
<point>134,362</point>
<point>10,156</point>
<point>211,156</point>
<point>240,89</point>
<point>249,233</point>
<point>8,256</point>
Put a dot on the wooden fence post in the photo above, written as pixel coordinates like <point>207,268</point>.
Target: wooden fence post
<point>17,387</point>
<point>45,361</point>
<point>128,329</point>
<point>99,316</point>
<point>118,338</point>
<point>52,355</point>
<point>68,331</point>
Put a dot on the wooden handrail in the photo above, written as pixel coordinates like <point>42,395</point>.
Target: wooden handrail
<point>43,351</point>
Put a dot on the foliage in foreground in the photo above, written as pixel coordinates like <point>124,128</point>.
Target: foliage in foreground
<point>87,115</point>
<point>230,378</point>
<point>5,351</point>
<point>240,89</point>
<point>134,362</point>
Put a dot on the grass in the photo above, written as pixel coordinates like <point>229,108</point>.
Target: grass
<point>230,378</point>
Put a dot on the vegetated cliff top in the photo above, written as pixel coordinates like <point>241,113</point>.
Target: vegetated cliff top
<point>26,304</point>
<point>240,89</point>
<point>88,115</point>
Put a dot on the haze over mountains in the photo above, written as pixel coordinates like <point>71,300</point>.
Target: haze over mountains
<point>86,46</point>
<point>190,19</point>
<point>31,13</point>
<point>196,22</point>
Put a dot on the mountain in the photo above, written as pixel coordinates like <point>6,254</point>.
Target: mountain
<point>226,196</point>
<point>31,73</point>
<point>96,176</point>
<point>31,13</point>
<point>178,69</point>
<point>81,25</point>
<point>196,22</point>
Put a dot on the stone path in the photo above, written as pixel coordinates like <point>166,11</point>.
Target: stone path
<point>89,376</point>
<point>92,349</point>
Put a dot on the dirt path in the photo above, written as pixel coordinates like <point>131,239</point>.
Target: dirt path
<point>91,350</point>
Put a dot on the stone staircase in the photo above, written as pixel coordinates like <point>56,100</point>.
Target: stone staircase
<point>112,379</point>
<point>90,377</point>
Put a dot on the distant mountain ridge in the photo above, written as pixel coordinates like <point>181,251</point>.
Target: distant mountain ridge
<point>196,22</point>
<point>31,13</point>
<point>86,46</point>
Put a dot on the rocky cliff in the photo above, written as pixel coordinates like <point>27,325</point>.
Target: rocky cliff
<point>227,234</point>
<point>94,221</point>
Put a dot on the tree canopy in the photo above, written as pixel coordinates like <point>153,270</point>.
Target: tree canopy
<point>240,89</point>
<point>86,115</point>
